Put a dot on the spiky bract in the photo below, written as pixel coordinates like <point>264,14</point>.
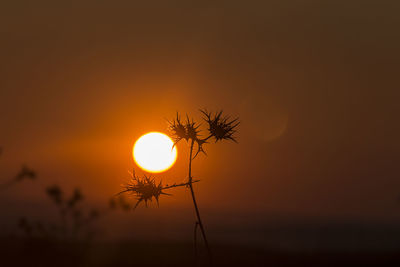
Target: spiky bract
<point>220,127</point>
<point>145,188</point>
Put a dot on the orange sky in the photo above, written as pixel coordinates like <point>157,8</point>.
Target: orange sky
<point>314,83</point>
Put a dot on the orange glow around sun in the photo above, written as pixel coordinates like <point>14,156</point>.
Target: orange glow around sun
<point>153,152</point>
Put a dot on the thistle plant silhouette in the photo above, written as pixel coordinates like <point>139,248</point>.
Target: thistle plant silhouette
<point>219,128</point>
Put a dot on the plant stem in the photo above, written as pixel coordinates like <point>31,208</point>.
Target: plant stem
<point>199,222</point>
<point>196,224</point>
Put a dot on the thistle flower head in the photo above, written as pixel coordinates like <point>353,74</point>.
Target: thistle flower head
<point>183,130</point>
<point>220,127</point>
<point>191,129</point>
<point>144,188</point>
<point>178,129</point>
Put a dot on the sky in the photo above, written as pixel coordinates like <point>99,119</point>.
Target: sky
<point>314,83</point>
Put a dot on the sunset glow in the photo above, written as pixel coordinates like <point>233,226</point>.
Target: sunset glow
<point>153,152</point>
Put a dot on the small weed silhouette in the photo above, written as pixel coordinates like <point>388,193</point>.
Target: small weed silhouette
<point>73,218</point>
<point>24,174</point>
<point>76,222</point>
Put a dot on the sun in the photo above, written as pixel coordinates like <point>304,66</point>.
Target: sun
<point>154,152</point>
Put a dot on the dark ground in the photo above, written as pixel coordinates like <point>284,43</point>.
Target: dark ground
<point>33,252</point>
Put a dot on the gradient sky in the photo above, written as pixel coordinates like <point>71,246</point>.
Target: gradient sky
<point>315,84</point>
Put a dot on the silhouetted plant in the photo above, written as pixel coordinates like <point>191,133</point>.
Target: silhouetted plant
<point>32,228</point>
<point>219,128</point>
<point>145,189</point>
<point>24,174</point>
<point>76,222</point>
<point>73,217</point>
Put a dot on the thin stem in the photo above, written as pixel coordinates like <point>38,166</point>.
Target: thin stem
<point>196,224</point>
<point>208,137</point>
<point>195,203</point>
<point>190,161</point>
<point>178,185</point>
<point>64,223</point>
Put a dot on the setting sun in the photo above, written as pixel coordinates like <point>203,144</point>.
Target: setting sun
<point>153,152</point>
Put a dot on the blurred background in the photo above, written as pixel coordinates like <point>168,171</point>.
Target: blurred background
<point>315,84</point>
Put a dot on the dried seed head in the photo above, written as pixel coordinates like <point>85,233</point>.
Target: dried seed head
<point>178,130</point>
<point>144,188</point>
<point>191,129</point>
<point>220,127</point>
<point>187,130</point>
